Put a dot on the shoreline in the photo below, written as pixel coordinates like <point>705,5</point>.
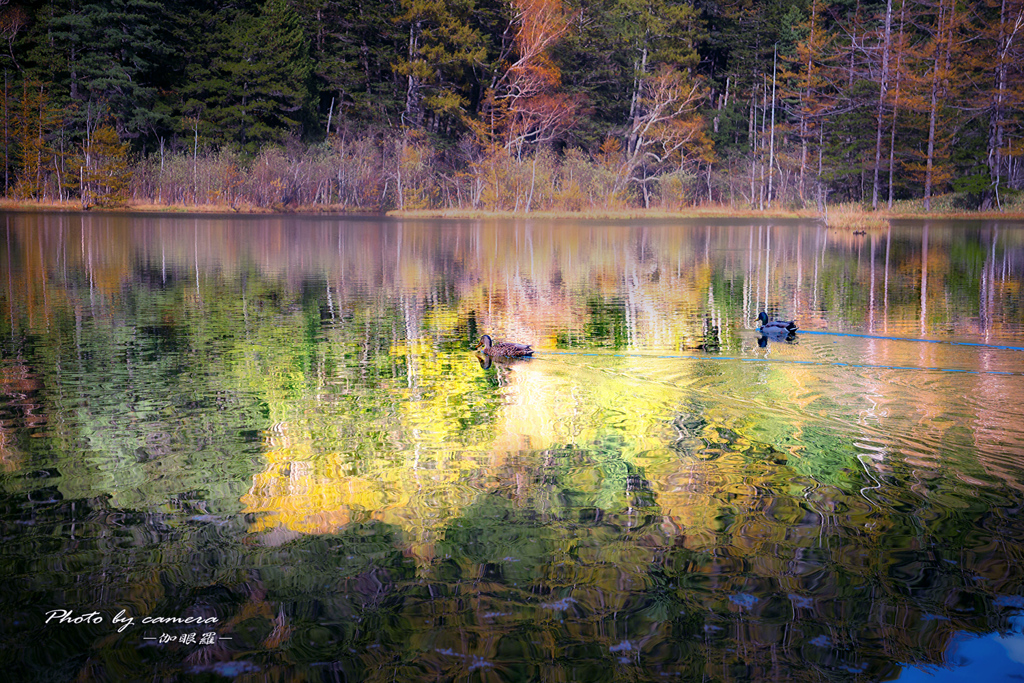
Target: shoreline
<point>848,218</point>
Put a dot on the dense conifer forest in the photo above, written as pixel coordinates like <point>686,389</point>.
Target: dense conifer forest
<point>514,105</point>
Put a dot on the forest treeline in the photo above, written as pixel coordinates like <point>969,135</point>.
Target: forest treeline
<point>513,105</point>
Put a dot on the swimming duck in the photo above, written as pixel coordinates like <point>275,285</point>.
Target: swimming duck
<point>504,349</point>
<point>775,328</point>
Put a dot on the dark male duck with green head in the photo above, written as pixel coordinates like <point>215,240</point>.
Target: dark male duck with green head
<point>776,329</point>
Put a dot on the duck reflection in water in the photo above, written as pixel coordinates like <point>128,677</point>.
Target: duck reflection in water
<point>502,365</point>
<point>762,340</point>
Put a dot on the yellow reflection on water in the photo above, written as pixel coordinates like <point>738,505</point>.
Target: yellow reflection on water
<point>434,461</point>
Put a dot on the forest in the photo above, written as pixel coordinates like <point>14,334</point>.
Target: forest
<point>514,105</point>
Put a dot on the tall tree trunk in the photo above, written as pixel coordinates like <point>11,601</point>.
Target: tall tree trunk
<point>996,127</point>
<point>803,152</point>
<point>413,96</point>
<point>853,45</point>
<point>632,141</point>
<point>930,164</point>
<point>808,103</point>
<point>933,106</point>
<point>195,161</point>
<point>939,91</point>
<point>896,103</point>
<point>771,145</point>
<point>883,87</point>
<point>7,135</point>
<point>764,125</point>
<point>752,135</point>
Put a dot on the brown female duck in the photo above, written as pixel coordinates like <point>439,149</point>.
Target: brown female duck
<point>504,349</point>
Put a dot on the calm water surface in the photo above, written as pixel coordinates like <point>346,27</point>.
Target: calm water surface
<point>278,425</point>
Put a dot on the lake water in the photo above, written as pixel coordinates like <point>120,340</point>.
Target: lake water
<point>277,428</point>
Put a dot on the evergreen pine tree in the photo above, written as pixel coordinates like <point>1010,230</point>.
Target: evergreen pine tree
<point>252,87</point>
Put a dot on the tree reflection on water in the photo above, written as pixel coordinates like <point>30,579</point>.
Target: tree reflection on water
<point>280,422</point>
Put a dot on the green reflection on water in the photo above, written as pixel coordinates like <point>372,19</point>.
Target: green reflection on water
<point>281,423</point>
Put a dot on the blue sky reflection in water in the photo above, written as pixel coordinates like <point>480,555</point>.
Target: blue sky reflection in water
<point>279,423</point>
